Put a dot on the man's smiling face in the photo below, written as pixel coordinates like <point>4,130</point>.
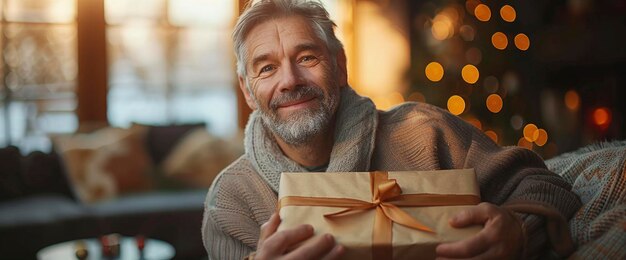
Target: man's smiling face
<point>292,79</point>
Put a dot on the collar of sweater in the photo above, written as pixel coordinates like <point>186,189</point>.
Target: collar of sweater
<point>355,131</point>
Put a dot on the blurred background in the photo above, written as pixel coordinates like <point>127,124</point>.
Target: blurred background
<point>546,75</point>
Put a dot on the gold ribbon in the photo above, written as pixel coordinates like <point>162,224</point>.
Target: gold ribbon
<point>387,198</point>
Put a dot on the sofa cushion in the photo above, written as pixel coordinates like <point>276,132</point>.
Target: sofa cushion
<point>150,202</point>
<point>107,163</point>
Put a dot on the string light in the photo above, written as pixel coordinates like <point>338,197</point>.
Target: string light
<point>456,105</point>
<point>529,132</point>
<point>492,135</point>
<point>507,13</point>
<point>522,42</point>
<point>602,117</point>
<point>494,103</point>
<point>572,100</point>
<point>499,41</point>
<point>542,137</point>
<point>482,13</point>
<point>470,73</point>
<point>434,71</point>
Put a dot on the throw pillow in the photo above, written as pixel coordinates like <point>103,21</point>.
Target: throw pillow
<point>107,163</point>
<point>199,157</point>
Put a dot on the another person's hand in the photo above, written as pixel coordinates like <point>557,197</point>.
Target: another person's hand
<point>501,237</point>
<point>296,243</point>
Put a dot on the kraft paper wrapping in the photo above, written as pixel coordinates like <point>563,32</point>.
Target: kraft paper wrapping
<point>354,231</point>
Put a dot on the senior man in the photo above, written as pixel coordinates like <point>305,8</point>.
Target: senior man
<point>292,72</point>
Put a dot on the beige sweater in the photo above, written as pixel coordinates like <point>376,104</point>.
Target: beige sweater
<point>413,136</point>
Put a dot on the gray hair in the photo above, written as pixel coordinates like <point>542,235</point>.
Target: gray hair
<point>265,10</point>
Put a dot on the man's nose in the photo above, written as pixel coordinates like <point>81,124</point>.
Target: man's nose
<point>291,78</point>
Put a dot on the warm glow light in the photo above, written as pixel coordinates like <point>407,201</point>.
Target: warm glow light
<point>434,71</point>
<point>482,12</point>
<point>542,137</point>
<point>499,41</point>
<point>442,27</point>
<point>517,122</point>
<point>395,98</point>
<point>470,73</point>
<point>494,103</point>
<point>491,84</point>
<point>467,33</point>
<point>522,142</point>
<point>492,135</point>
<point>601,117</point>
<point>470,5</point>
<point>474,55</point>
<point>572,100</point>
<point>529,132</point>
<point>508,13</point>
<point>522,42</point>
<point>475,122</point>
<point>456,105</point>
<point>417,97</point>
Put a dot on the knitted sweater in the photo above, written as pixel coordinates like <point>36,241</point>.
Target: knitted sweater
<point>412,136</point>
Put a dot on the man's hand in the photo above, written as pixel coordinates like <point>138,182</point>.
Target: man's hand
<point>501,238</point>
<point>294,243</point>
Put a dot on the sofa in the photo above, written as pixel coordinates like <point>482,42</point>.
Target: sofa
<point>41,203</point>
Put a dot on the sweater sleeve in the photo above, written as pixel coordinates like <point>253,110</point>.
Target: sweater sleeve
<point>237,203</point>
<point>514,175</point>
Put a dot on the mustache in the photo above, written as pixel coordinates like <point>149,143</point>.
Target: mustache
<point>296,94</point>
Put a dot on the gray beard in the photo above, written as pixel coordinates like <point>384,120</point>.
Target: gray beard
<point>302,126</point>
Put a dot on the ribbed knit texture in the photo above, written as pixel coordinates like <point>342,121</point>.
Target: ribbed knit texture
<point>413,136</point>
<point>598,175</point>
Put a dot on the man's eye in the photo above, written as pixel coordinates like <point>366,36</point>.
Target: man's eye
<point>267,68</point>
<point>308,59</point>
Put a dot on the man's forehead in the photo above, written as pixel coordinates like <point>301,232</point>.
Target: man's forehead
<point>293,32</point>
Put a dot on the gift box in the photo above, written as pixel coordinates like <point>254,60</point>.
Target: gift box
<point>380,215</point>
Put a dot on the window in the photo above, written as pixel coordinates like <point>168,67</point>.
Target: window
<point>39,69</point>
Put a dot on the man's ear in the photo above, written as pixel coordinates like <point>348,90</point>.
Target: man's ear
<point>246,93</point>
<point>342,68</point>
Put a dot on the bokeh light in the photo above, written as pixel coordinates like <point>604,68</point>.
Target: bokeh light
<point>542,137</point>
<point>529,132</point>
<point>499,41</point>
<point>491,84</point>
<point>467,33</point>
<point>517,122</point>
<point>602,117</point>
<point>475,122</point>
<point>494,103</point>
<point>456,105</point>
<point>470,5</point>
<point>470,73</point>
<point>434,71</point>
<point>442,27</point>
<point>416,97</point>
<point>492,135</point>
<point>522,142</point>
<point>522,41</point>
<point>482,13</point>
<point>507,13</point>
<point>572,100</point>
<point>474,55</point>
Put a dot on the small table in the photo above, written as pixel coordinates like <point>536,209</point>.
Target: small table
<point>153,249</point>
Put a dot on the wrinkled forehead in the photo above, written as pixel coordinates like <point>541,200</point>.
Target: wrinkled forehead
<point>281,34</point>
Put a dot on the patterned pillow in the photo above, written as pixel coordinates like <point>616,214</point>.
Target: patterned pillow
<point>106,163</point>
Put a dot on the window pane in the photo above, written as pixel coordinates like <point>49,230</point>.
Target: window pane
<point>203,60</point>
<point>134,11</point>
<point>137,56</point>
<point>46,11</point>
<point>217,13</point>
<point>40,59</point>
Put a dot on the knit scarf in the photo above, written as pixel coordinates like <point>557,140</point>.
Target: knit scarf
<point>355,132</point>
